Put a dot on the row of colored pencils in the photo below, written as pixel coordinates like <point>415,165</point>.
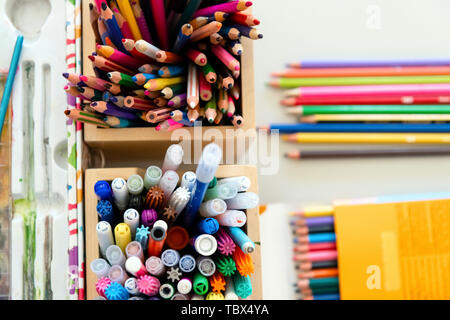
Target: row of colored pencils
<point>164,64</point>
<point>315,254</point>
<point>372,101</point>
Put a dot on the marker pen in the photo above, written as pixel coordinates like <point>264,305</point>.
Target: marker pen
<point>243,183</point>
<point>244,262</point>
<point>148,285</point>
<point>205,244</point>
<point>179,199</point>
<point>166,291</point>
<point>177,238</point>
<point>188,180</point>
<point>180,296</point>
<point>168,183</point>
<point>101,285</point>
<point>214,296</point>
<point>187,263</point>
<point>241,239</point>
<point>122,235</point>
<point>117,274</point>
<point>222,191</point>
<point>200,284</point>
<point>103,190</point>
<point>170,257</point>
<point>100,267</point>
<point>105,211</point>
<point>152,177</point>
<point>206,169</point>
<point>131,286</point>
<point>197,297</point>
<point>131,218</point>
<point>134,249</point>
<point>120,192</point>
<point>242,285</point>
<point>225,265</point>
<point>115,256</point>
<point>156,241</point>
<point>208,226</point>
<point>142,234</point>
<point>135,184</point>
<point>161,224</point>
<point>243,201</point>
<point>104,236</point>
<point>232,218</point>
<point>206,266</point>
<point>116,291</point>
<point>148,217</point>
<point>212,208</point>
<point>173,158</point>
<point>173,274</point>
<point>184,286</point>
<point>155,266</point>
<point>136,202</point>
<point>155,198</point>
<point>225,243</point>
<point>229,290</point>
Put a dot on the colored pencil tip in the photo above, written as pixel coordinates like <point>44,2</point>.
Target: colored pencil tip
<point>264,128</point>
<point>170,103</point>
<point>91,6</point>
<point>256,22</point>
<point>91,58</point>
<point>192,105</point>
<point>66,112</point>
<point>211,120</point>
<point>229,114</point>
<point>273,83</point>
<point>248,4</point>
<point>83,78</point>
<point>260,36</point>
<point>294,154</point>
<point>66,75</point>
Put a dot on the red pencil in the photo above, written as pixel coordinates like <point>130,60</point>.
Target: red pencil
<point>244,18</point>
<point>109,66</point>
<point>302,248</point>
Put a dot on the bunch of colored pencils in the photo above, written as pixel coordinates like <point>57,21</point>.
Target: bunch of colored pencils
<point>315,254</point>
<point>377,101</point>
<point>165,64</point>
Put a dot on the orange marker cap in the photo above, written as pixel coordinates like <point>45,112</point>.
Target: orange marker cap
<point>177,238</point>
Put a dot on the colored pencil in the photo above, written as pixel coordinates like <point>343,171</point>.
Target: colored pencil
<point>193,90</point>
<point>168,57</point>
<point>362,127</point>
<point>146,48</point>
<point>73,78</point>
<point>231,106</point>
<point>199,58</point>
<point>108,65</point>
<point>248,32</point>
<point>93,18</point>
<point>366,100</point>
<point>171,91</point>
<point>215,38</point>
<point>228,7</point>
<point>357,81</point>
<point>369,138</point>
<point>157,115</point>
<point>129,45</point>
<point>127,12</point>
<point>363,72</point>
<point>317,265</point>
<point>311,222</point>
<point>226,58</point>
<point>141,21</point>
<point>373,109</point>
<point>91,94</point>
<point>183,37</point>
<point>205,31</point>
<point>314,211</point>
<point>193,114</point>
<point>205,88</point>
<point>229,32</point>
<point>178,101</point>
<point>149,68</point>
<point>236,47</point>
<point>122,79</point>
<point>123,25</point>
<point>160,23</point>
<point>314,256</point>
<point>142,78</point>
<point>245,19</point>
<point>111,110</point>
<point>327,154</point>
<point>116,122</point>
<point>86,117</point>
<point>307,247</point>
<point>371,90</point>
<point>318,283</point>
<point>201,21</point>
<point>330,296</point>
<point>320,273</point>
<point>375,118</point>
<point>209,73</point>
<point>113,28</point>
<point>222,100</point>
<point>104,34</point>
<point>237,121</point>
<point>314,229</point>
<point>119,57</point>
<point>172,71</point>
<point>159,84</point>
<point>211,109</point>
<point>138,104</point>
<point>369,63</point>
<point>188,13</point>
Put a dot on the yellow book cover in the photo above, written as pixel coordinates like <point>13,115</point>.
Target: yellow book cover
<point>398,250</point>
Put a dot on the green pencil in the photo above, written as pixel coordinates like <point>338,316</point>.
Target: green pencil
<point>373,109</point>
<point>355,81</point>
<point>123,79</point>
<point>318,283</point>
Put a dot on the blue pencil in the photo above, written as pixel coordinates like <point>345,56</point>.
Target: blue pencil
<point>362,127</point>
<point>10,81</point>
<point>113,28</point>
<point>183,37</point>
<point>318,237</point>
<point>332,296</point>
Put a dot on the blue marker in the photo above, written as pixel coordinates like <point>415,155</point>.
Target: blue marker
<point>142,236</point>
<point>208,225</point>
<point>187,263</point>
<point>206,170</point>
<point>116,291</point>
<point>105,211</point>
<point>242,285</point>
<point>241,239</point>
<point>103,190</point>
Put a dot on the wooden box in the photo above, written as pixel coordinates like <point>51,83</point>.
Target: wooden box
<point>144,142</point>
<point>91,218</point>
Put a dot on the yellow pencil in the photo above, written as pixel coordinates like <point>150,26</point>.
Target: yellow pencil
<point>161,83</point>
<point>372,138</point>
<point>127,13</point>
<point>374,117</point>
<point>315,211</point>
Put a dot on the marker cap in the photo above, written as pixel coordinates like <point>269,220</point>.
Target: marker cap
<point>149,217</point>
<point>131,286</point>
<point>212,208</point>
<point>104,236</point>
<point>180,296</point>
<point>161,224</point>
<point>120,192</point>
<point>184,286</point>
<point>243,201</point>
<point>187,263</point>
<point>100,267</point>
<point>173,158</point>
<point>135,184</point>
<point>155,266</point>
<point>115,256</point>
<point>188,180</point>
<point>135,267</point>
<point>200,284</point>
<point>166,291</point>
<point>152,176</point>
<point>206,266</point>
<point>205,244</point>
<point>103,190</point>
<point>208,225</point>
<point>209,161</point>
<point>170,257</point>
<point>116,291</point>
<point>117,274</point>
<point>177,238</point>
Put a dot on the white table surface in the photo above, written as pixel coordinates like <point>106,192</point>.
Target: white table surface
<point>329,29</point>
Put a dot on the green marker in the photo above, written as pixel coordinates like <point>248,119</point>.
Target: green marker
<point>200,284</point>
<point>225,265</point>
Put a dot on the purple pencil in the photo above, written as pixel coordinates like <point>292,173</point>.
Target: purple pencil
<point>178,101</point>
<point>225,243</point>
<point>228,7</point>
<point>314,222</point>
<point>140,19</point>
<point>112,110</point>
<point>369,63</point>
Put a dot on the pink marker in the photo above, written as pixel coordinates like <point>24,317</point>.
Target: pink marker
<point>148,285</point>
<point>101,285</point>
<point>225,244</point>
